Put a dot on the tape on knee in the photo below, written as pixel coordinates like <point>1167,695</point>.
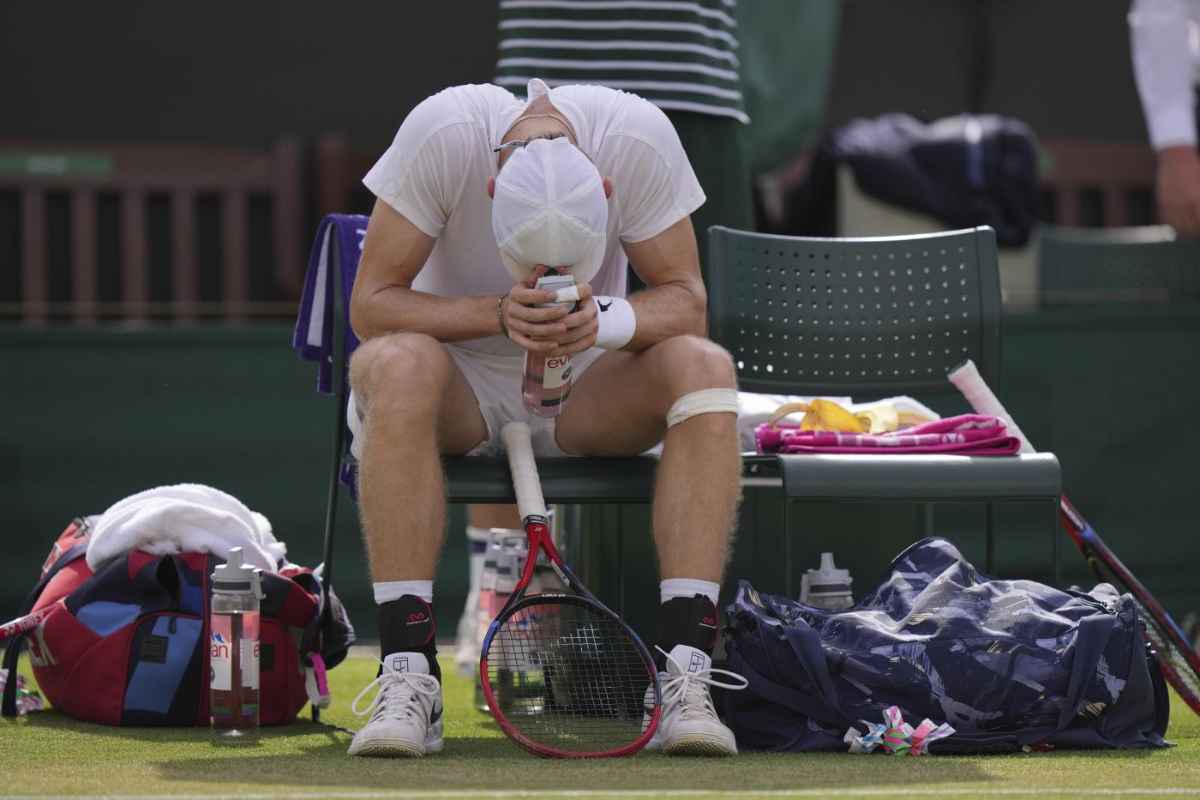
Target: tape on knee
<point>705,401</point>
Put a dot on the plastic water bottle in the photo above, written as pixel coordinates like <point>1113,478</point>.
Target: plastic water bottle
<point>546,384</point>
<point>234,649</point>
<point>827,587</point>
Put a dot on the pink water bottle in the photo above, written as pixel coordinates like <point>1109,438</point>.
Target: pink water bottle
<point>234,649</point>
<point>547,381</point>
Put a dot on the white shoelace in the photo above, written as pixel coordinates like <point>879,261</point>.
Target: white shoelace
<point>402,692</point>
<point>691,689</point>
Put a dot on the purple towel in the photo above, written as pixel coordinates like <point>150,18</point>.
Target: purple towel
<point>338,244</point>
<point>968,434</point>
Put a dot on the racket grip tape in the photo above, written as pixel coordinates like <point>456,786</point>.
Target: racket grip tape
<point>519,444</point>
<point>983,400</point>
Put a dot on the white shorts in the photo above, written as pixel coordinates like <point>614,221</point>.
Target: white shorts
<point>496,382</point>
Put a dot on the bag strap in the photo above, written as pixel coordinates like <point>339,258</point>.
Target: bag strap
<point>12,655</point>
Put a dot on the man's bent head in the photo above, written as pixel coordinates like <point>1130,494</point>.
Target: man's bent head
<point>550,208</point>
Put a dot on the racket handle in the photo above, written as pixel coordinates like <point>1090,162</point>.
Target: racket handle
<point>982,399</point>
<point>26,623</point>
<point>519,444</point>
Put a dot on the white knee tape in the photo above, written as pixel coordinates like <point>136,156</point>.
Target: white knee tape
<point>705,401</point>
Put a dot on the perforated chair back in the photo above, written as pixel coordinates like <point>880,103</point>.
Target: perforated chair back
<point>865,316</point>
<point>1138,264</point>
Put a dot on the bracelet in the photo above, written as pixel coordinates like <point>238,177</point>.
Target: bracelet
<point>500,314</point>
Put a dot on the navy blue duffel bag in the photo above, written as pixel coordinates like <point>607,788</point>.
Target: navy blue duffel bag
<point>1008,663</point>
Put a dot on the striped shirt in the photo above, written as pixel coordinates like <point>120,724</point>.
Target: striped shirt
<point>679,55</point>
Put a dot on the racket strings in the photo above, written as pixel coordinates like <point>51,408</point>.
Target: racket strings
<point>568,676</point>
<point>1179,671</point>
<point>1175,665</point>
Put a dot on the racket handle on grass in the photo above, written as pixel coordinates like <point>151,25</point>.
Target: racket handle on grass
<point>983,400</point>
<point>519,444</point>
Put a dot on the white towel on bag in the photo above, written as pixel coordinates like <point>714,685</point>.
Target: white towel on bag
<point>184,518</point>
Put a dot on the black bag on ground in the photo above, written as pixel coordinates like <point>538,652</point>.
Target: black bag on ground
<point>1008,663</point>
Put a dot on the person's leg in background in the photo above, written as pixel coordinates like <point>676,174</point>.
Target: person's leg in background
<point>481,518</point>
<point>715,146</point>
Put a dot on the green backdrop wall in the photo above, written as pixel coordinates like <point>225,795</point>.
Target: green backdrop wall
<point>90,416</point>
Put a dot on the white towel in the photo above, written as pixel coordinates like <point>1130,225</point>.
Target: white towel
<point>185,518</point>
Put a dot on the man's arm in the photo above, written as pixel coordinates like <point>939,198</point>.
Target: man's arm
<point>1162,64</point>
<point>674,301</point>
<point>384,301</point>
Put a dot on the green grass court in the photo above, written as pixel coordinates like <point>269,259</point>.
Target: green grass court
<point>48,754</point>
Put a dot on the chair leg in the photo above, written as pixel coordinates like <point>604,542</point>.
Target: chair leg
<point>620,563</point>
<point>1055,554</point>
<point>787,550</point>
<point>990,528</point>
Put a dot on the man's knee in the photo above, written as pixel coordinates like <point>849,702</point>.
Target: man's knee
<point>692,363</point>
<point>407,369</point>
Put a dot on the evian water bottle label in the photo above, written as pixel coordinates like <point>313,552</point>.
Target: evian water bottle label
<point>250,650</point>
<point>558,372</point>
<point>220,654</point>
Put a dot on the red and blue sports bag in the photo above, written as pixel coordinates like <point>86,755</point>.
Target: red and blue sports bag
<point>129,643</point>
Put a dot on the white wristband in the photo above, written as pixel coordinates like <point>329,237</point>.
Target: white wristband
<point>615,321</point>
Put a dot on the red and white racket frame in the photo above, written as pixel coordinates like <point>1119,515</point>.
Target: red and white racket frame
<point>535,519</point>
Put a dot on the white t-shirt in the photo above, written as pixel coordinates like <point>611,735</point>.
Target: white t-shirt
<point>435,173</point>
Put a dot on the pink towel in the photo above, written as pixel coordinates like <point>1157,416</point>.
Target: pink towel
<point>967,434</point>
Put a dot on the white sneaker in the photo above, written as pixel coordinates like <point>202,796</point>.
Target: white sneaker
<point>406,712</point>
<point>689,725</point>
<point>466,650</point>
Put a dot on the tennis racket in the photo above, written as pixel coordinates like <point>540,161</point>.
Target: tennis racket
<point>562,674</point>
<point>1177,659</point>
<point>26,623</point>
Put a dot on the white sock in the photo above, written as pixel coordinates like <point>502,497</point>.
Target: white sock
<point>688,587</point>
<point>387,591</point>
<point>475,538</point>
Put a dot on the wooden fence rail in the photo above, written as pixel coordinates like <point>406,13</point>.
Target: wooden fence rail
<point>133,173</point>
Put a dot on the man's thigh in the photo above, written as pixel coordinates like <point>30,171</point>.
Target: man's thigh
<point>409,364</point>
<point>617,408</point>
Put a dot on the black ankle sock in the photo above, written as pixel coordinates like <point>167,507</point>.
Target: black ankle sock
<point>406,626</point>
<point>687,620</point>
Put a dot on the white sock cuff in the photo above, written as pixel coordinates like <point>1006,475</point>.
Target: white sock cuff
<point>387,591</point>
<point>688,587</point>
<point>478,534</point>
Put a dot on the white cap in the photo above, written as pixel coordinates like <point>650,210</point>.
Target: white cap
<point>549,208</point>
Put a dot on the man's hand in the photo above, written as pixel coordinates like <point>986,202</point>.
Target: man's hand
<point>581,325</point>
<point>534,329</point>
<point>553,331</point>
<point>1179,189</point>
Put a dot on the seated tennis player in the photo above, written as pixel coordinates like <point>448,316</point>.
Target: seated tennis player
<point>478,193</point>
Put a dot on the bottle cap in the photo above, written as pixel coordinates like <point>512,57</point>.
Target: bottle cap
<point>827,586</point>
<point>828,573</point>
<point>237,576</point>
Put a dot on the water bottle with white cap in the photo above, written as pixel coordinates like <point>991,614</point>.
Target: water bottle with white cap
<point>547,380</point>
<point>234,648</point>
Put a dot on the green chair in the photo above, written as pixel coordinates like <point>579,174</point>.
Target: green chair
<point>869,318</point>
<point>1112,265</point>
